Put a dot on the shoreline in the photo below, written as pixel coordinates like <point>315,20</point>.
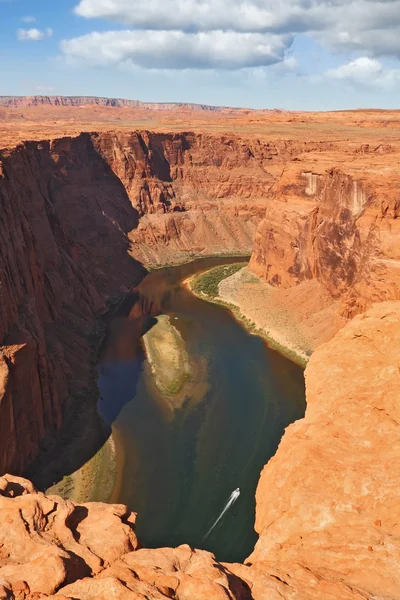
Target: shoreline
<point>193,257</point>
<point>274,338</point>
<point>94,481</point>
<point>168,359</point>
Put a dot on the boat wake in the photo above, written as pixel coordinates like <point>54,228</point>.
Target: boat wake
<point>232,499</point>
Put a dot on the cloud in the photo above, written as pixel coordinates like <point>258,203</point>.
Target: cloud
<point>236,34</point>
<point>28,19</point>
<point>255,16</point>
<point>369,26</point>
<point>367,72</point>
<point>178,49</point>
<point>33,35</point>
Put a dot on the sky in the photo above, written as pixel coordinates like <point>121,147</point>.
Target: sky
<point>289,54</point>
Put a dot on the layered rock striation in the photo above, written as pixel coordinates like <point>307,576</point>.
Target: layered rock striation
<point>195,194</point>
<point>338,226</point>
<point>79,101</point>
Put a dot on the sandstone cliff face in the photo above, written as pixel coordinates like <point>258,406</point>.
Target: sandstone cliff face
<point>327,505</point>
<point>337,227</point>
<point>64,251</point>
<point>195,194</point>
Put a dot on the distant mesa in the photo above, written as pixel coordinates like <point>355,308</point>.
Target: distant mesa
<point>78,101</point>
<point>24,101</point>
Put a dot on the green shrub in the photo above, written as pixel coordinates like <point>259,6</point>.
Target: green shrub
<point>207,283</point>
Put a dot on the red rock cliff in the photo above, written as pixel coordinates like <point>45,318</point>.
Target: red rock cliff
<point>328,503</point>
<point>195,194</point>
<point>339,226</point>
<point>64,250</point>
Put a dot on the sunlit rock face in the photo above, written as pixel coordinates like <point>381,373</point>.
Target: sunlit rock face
<point>328,502</point>
<point>336,227</point>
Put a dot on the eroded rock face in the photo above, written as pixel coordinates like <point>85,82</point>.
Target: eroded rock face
<point>64,252</point>
<point>195,194</point>
<point>328,503</point>
<point>338,226</point>
<point>47,542</point>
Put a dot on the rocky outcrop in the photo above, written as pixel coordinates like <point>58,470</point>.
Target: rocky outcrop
<point>47,542</point>
<point>327,504</point>
<point>338,226</point>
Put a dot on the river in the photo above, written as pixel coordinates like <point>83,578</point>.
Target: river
<point>177,465</point>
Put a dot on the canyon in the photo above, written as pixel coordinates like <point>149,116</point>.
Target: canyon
<point>82,215</point>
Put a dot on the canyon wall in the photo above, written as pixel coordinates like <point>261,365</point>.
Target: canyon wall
<point>195,194</point>
<point>64,252</point>
<point>327,504</point>
<point>338,226</point>
<point>80,216</point>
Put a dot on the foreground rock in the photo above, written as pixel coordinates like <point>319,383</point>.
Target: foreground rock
<point>47,542</point>
<point>328,505</point>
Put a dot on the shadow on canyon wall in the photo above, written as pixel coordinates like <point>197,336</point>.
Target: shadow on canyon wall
<point>120,361</point>
<point>65,216</point>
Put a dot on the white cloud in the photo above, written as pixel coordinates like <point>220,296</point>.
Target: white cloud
<point>367,72</point>
<point>233,34</point>
<point>178,50</point>
<point>371,26</point>
<point>33,35</point>
<point>199,15</point>
<point>29,19</point>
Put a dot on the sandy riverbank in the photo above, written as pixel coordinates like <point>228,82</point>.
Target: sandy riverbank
<point>94,482</point>
<point>293,321</point>
<point>167,357</point>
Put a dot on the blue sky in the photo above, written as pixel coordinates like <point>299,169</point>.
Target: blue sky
<point>292,54</point>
